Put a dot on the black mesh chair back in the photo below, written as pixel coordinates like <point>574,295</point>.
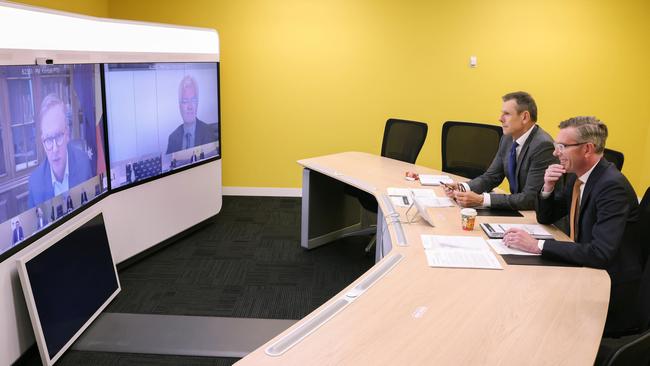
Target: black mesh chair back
<point>468,148</point>
<point>403,139</point>
<point>615,157</point>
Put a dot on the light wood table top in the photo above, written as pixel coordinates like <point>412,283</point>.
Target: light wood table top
<point>419,315</point>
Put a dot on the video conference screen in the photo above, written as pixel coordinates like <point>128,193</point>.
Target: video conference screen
<point>161,116</point>
<point>71,281</point>
<point>51,146</point>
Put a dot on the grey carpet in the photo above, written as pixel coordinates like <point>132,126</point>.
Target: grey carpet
<point>247,262</point>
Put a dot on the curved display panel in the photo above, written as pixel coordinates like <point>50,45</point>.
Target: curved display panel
<point>67,283</point>
<point>51,146</point>
<point>161,117</point>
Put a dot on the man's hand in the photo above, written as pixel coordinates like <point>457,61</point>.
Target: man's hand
<point>468,199</point>
<point>519,239</point>
<point>552,175</point>
<point>450,188</point>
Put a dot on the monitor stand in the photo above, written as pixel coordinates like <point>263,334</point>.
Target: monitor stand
<point>179,334</point>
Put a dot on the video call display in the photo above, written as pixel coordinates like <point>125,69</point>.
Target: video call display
<point>161,116</point>
<point>71,281</point>
<point>51,146</point>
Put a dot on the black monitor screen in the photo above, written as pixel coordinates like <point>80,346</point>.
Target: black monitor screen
<point>161,116</point>
<point>70,281</point>
<point>51,146</point>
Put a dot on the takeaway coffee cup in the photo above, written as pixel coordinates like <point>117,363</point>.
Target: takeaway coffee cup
<point>468,217</point>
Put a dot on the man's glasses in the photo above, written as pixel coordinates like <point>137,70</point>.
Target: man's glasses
<point>189,100</point>
<point>49,142</point>
<point>561,147</point>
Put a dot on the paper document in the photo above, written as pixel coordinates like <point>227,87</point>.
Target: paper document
<point>500,248</point>
<point>403,197</point>
<point>458,252</point>
<point>436,202</point>
<point>496,231</point>
<point>434,180</point>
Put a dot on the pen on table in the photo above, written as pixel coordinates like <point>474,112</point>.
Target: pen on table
<point>489,227</point>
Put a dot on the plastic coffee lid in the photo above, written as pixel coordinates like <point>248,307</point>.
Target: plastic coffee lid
<point>468,212</point>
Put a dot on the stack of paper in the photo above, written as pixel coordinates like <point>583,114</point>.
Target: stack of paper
<point>458,252</point>
<point>434,180</point>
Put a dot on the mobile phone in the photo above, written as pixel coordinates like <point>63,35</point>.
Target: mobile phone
<point>448,186</point>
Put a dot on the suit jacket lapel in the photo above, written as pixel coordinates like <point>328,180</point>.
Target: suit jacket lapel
<point>591,182</point>
<point>523,152</point>
<point>48,191</point>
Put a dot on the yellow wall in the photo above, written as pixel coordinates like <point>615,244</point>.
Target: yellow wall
<point>96,8</point>
<point>302,78</point>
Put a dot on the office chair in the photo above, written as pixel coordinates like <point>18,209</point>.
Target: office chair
<point>403,140</point>
<point>468,148</point>
<point>615,157</point>
<point>634,349</point>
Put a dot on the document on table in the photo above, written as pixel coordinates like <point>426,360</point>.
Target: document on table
<point>496,231</point>
<point>458,252</point>
<point>500,248</point>
<point>434,180</point>
<point>403,197</point>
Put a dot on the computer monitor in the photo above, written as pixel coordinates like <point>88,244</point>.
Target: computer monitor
<point>67,281</point>
<point>160,117</point>
<point>51,144</point>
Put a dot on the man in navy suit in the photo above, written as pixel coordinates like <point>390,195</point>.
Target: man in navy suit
<point>600,203</point>
<point>524,153</point>
<point>65,166</point>
<point>17,235</point>
<point>192,132</point>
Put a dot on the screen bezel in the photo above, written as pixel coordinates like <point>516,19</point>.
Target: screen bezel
<point>89,214</point>
<point>112,189</point>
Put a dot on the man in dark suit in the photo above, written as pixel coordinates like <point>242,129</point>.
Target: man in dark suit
<point>65,166</point>
<point>192,132</point>
<point>41,220</point>
<point>600,203</point>
<point>18,234</point>
<point>524,153</point>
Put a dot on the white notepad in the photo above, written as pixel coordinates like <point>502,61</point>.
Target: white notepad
<point>434,180</point>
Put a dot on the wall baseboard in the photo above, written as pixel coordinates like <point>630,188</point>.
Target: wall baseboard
<point>262,191</point>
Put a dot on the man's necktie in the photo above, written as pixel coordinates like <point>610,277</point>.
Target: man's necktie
<point>188,136</point>
<point>512,168</point>
<point>575,210</point>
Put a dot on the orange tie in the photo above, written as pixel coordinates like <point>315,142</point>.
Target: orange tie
<point>575,210</point>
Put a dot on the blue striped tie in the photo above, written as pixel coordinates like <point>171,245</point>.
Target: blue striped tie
<point>512,168</point>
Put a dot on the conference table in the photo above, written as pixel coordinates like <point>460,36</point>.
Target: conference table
<point>403,312</point>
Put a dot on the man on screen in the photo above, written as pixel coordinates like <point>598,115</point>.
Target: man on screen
<point>66,166</point>
<point>192,132</point>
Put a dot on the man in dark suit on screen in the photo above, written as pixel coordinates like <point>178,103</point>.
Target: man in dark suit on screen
<point>192,132</point>
<point>17,233</point>
<point>66,166</point>
<point>600,203</point>
<point>524,153</point>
